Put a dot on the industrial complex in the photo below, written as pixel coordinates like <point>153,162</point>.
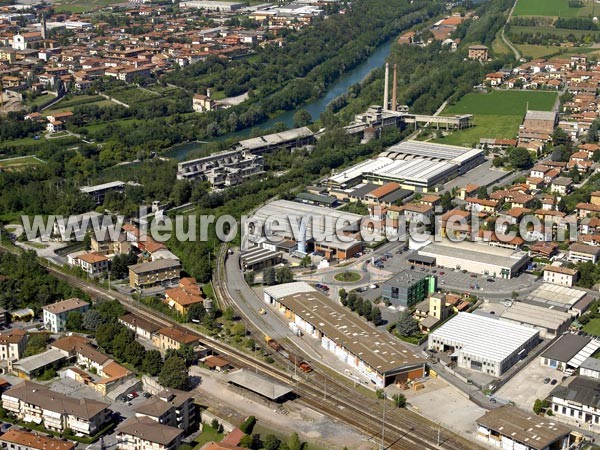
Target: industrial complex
<point>377,355</point>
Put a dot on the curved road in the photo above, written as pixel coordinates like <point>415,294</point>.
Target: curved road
<point>503,36</point>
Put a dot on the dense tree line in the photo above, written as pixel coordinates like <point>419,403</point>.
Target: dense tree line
<point>26,284</point>
<point>576,23</point>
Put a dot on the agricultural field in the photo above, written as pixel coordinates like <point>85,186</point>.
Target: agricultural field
<point>497,114</point>
<point>70,102</point>
<point>130,95</point>
<point>19,162</point>
<point>543,30</point>
<point>79,6</point>
<point>554,8</point>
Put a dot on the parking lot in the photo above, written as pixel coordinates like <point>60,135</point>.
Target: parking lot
<point>528,384</point>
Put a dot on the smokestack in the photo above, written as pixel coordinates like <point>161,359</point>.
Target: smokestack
<point>395,88</point>
<point>386,92</point>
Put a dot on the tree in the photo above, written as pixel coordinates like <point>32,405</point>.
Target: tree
<point>37,343</point>
<point>271,442</point>
<point>482,192</point>
<point>376,316</point>
<point>293,442</point>
<point>407,326</point>
<point>91,319</point>
<point>174,373</point>
<point>269,276</point>
<point>537,406</point>
<point>399,400</point>
<point>520,158</point>
<point>343,295</point>
<point>305,261</point>
<point>302,118</point>
<point>134,353</point>
<point>592,135</point>
<point>246,441</point>
<point>74,321</point>
<point>284,275</point>
<point>196,312</point>
<point>152,362</point>
<point>248,425</point>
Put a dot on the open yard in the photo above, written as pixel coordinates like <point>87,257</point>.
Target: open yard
<point>592,327</point>
<point>79,6</point>
<point>554,8</point>
<point>497,114</point>
<point>21,161</point>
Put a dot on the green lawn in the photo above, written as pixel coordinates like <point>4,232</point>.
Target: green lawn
<point>348,276</point>
<point>497,114</point>
<point>68,104</point>
<point>42,100</point>
<point>20,161</point>
<point>592,327</point>
<point>209,434</point>
<point>554,8</point>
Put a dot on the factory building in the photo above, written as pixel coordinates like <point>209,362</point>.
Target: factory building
<point>483,344</point>
<point>416,166</point>
<point>330,231</point>
<point>408,288</point>
<point>548,321</point>
<point>477,258</point>
<point>377,355</point>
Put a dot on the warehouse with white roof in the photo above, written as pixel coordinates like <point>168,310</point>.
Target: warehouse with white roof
<point>483,344</point>
<point>415,165</point>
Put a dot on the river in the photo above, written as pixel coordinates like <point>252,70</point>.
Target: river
<point>315,108</point>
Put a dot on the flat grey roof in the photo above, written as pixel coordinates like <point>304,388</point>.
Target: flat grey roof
<point>259,384</point>
<point>275,138</point>
<point>35,362</point>
<point>566,347</point>
<point>428,150</point>
<point>591,363</point>
<point>583,390</point>
<point>258,254</point>
<point>486,254</point>
<point>538,316</point>
<point>524,427</point>
<point>406,278</point>
<point>540,115</point>
<point>102,187</point>
<point>364,189</point>
<point>378,350</point>
<point>553,294</point>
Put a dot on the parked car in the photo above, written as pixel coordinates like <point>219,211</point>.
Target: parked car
<point>553,382</point>
<point>373,286</point>
<point>546,380</point>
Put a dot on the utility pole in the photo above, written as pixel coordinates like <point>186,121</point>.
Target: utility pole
<point>383,425</point>
<point>439,434</point>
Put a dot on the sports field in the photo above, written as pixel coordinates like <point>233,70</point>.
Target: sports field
<point>497,114</point>
<point>553,8</point>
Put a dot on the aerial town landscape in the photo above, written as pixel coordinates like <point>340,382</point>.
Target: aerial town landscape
<point>299,225</point>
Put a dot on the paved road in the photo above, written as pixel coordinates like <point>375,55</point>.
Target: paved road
<point>505,39</point>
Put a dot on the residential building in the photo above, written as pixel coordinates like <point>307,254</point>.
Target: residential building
<point>508,427</point>
<point>92,263</point>
<point>203,103</point>
<point>143,433</point>
<point>161,272</point>
<point>183,296</point>
<point>590,368</point>
<point>170,407</point>
<point>33,402</point>
<point>483,344</point>
<point>55,315</point>
<point>12,344</point>
<point>432,311</point>
<point>560,275</point>
<point>141,327</point>
<point>577,400</point>
<point>18,439</point>
<point>478,52</point>
<point>583,253</point>
<point>173,338</point>
<point>408,288</point>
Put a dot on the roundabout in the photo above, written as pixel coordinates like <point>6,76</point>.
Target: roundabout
<point>347,276</point>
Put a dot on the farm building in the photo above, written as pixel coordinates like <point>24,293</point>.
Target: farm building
<point>377,355</point>
<point>483,344</point>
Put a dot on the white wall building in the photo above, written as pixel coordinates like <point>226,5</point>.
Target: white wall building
<point>55,315</point>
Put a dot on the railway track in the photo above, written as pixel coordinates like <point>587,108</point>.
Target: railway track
<point>404,430</point>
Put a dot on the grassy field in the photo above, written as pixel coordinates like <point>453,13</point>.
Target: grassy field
<point>539,51</point>
<point>209,434</point>
<point>79,6</point>
<point>20,162</point>
<point>42,100</point>
<point>561,32</point>
<point>553,8</point>
<point>68,104</point>
<point>131,95</point>
<point>592,327</point>
<point>497,114</point>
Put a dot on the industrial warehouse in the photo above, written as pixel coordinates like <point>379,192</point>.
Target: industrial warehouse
<point>416,166</point>
<point>477,258</point>
<point>483,344</point>
<point>377,355</point>
<point>330,231</point>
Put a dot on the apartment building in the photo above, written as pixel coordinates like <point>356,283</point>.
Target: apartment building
<point>12,345</point>
<point>33,402</point>
<point>143,433</point>
<point>172,338</point>
<point>154,273</point>
<point>170,407</point>
<point>562,276</point>
<point>55,315</point>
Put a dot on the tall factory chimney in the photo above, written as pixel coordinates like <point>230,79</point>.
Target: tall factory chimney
<point>395,89</point>
<point>386,92</point>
